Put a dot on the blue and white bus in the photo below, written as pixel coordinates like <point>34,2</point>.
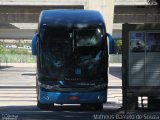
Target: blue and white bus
<point>72,58</point>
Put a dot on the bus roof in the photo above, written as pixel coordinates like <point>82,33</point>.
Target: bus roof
<point>71,18</point>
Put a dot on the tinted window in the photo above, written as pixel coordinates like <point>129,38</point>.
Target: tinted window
<point>153,42</point>
<point>88,37</point>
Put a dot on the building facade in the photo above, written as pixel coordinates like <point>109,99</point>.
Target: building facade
<point>19,18</point>
<point>133,11</point>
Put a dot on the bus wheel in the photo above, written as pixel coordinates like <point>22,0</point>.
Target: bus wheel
<point>44,106</point>
<point>95,106</point>
<point>98,106</point>
<point>84,105</point>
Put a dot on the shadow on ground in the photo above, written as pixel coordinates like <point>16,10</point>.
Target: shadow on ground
<point>71,108</point>
<point>28,74</point>
<point>4,67</point>
<point>116,71</point>
<point>57,113</point>
<point>68,113</point>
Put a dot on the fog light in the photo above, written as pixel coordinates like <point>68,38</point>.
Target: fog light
<point>100,97</point>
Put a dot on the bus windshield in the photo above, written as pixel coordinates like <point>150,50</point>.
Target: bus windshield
<point>88,37</point>
<point>77,54</point>
<point>88,43</point>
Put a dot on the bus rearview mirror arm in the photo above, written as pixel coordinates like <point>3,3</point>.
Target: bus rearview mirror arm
<point>110,43</point>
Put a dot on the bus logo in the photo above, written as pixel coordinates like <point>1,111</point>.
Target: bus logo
<point>78,71</point>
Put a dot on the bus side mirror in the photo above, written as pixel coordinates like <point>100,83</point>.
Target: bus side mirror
<point>34,42</point>
<point>110,43</point>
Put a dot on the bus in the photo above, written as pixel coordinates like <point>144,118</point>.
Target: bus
<point>72,58</point>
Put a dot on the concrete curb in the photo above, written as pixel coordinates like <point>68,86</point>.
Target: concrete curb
<point>115,64</point>
<point>19,64</point>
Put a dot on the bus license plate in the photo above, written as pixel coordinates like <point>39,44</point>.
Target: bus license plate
<point>73,97</point>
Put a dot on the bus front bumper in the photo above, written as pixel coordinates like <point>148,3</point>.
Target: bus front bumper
<point>72,97</point>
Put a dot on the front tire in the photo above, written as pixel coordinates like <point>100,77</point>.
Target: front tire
<point>98,106</point>
<point>95,106</point>
<point>44,106</point>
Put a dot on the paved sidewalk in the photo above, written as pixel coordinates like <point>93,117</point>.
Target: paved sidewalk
<point>115,64</point>
<point>34,64</point>
<point>23,74</point>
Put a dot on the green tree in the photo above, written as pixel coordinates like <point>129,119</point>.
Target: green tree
<point>154,2</point>
<point>24,52</point>
<point>13,51</point>
<point>2,49</point>
<point>28,43</point>
<point>118,46</point>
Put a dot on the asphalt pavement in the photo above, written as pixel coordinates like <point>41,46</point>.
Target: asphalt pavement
<point>18,98</point>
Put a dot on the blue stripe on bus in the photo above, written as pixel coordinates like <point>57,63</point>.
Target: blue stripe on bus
<point>63,98</point>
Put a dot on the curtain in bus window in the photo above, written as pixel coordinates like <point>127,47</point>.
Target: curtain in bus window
<point>56,47</point>
<point>90,49</point>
